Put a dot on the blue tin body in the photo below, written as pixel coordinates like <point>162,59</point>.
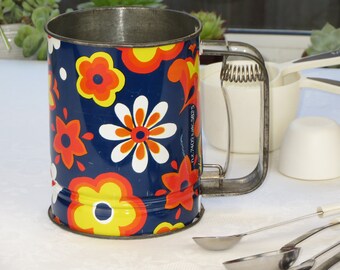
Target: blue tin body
<point>125,137</point>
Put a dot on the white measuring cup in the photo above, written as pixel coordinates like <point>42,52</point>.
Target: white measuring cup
<point>244,102</point>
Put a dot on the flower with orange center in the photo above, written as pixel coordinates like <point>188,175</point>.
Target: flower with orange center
<point>181,185</point>
<point>67,142</point>
<point>139,133</point>
<point>98,79</point>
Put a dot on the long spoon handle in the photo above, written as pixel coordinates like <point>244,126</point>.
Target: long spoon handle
<point>281,223</point>
<point>319,60</point>
<point>307,265</point>
<point>321,211</point>
<point>310,233</point>
<point>326,250</point>
<point>329,263</point>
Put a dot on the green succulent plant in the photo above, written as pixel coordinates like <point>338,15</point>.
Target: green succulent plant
<point>324,40</point>
<point>110,3</point>
<point>212,25</point>
<point>31,37</point>
<point>10,11</point>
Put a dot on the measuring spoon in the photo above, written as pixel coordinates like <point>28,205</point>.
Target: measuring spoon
<point>329,263</point>
<point>314,61</point>
<point>306,265</point>
<point>226,242</point>
<point>281,259</point>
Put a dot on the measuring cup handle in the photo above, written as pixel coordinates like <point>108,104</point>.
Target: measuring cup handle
<point>326,85</point>
<point>305,236</point>
<point>319,60</point>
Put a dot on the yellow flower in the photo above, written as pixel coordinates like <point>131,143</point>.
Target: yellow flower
<point>98,79</point>
<point>105,206</point>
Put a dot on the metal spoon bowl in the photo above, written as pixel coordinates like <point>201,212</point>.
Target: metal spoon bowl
<point>217,243</point>
<point>225,242</point>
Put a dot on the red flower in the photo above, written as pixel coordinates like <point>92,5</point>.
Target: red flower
<point>185,72</point>
<point>67,142</point>
<point>99,79</point>
<point>181,186</point>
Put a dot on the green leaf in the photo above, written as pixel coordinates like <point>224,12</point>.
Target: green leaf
<point>23,32</point>
<point>42,51</point>
<point>31,44</point>
<point>31,2</point>
<point>40,16</point>
<point>27,7</point>
<point>86,5</point>
<point>328,28</point>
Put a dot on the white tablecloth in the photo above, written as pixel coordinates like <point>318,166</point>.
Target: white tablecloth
<point>29,240</point>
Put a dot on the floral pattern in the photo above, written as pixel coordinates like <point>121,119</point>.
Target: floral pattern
<point>105,205</point>
<point>98,79</point>
<point>53,44</point>
<point>53,92</point>
<point>67,142</point>
<point>139,133</point>
<point>125,138</point>
<point>181,186</point>
<point>166,227</point>
<point>186,73</point>
<point>56,188</point>
<point>147,60</point>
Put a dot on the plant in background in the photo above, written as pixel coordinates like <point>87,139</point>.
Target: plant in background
<point>10,11</point>
<point>31,37</point>
<point>212,25</point>
<point>110,3</point>
<point>324,40</point>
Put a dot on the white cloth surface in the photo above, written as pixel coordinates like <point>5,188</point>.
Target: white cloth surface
<point>29,240</point>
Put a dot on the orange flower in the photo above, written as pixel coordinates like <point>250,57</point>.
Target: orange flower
<point>181,185</point>
<point>98,79</point>
<point>186,73</point>
<point>147,60</point>
<point>67,142</point>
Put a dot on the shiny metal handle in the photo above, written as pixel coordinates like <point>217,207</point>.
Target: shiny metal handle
<point>329,263</point>
<point>214,182</point>
<point>305,236</point>
<point>326,250</point>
